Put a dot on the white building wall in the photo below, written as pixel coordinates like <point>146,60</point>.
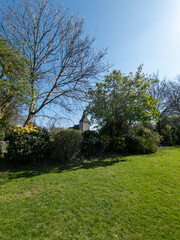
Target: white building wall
<point>83,126</point>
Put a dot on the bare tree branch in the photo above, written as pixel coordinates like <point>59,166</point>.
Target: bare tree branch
<point>168,93</point>
<point>63,63</point>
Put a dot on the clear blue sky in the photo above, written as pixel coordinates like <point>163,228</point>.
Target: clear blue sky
<point>135,31</point>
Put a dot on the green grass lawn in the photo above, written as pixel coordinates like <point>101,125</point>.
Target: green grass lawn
<point>132,197</point>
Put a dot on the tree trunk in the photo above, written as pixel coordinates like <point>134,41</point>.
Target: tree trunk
<point>29,119</point>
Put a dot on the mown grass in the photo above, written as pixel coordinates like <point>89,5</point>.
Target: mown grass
<point>132,197</point>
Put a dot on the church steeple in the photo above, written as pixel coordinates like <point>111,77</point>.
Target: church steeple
<point>84,118</point>
<point>84,123</point>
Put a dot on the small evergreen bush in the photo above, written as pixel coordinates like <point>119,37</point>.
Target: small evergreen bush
<point>65,144</point>
<point>27,144</point>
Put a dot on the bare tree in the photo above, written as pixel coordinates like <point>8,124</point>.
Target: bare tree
<point>172,97</point>
<point>158,91</point>
<point>62,61</point>
<point>168,94</point>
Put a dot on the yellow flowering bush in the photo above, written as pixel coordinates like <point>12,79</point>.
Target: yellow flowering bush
<point>26,129</point>
<point>27,144</point>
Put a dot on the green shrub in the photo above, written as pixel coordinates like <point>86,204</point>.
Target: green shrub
<point>114,144</point>
<point>167,138</point>
<point>27,144</point>
<point>65,144</point>
<point>177,135</point>
<point>3,146</point>
<point>119,144</point>
<point>169,128</point>
<point>142,140</point>
<point>2,133</point>
<point>92,144</point>
<point>106,140</point>
<point>113,135</point>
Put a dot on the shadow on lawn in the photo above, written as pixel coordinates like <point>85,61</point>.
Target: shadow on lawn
<point>32,171</point>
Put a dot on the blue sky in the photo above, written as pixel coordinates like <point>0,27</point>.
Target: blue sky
<point>135,32</point>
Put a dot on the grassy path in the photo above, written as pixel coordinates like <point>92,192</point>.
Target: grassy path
<point>133,197</point>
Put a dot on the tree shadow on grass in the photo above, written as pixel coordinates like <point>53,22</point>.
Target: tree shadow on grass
<point>10,174</point>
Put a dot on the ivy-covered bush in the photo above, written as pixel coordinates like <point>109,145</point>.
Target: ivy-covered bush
<point>92,144</point>
<point>65,144</point>
<point>27,144</point>
<point>142,140</point>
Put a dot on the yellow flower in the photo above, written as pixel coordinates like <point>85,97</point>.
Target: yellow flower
<point>26,129</point>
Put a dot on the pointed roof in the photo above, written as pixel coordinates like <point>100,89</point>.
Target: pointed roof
<point>84,118</point>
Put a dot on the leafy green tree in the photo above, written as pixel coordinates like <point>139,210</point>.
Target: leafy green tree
<point>13,81</point>
<point>121,100</point>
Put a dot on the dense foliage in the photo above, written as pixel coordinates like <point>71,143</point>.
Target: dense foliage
<point>142,140</point>
<point>123,99</point>
<point>114,136</point>
<point>169,128</point>
<point>27,144</point>
<point>91,144</point>
<point>117,104</point>
<point>65,144</point>
<point>13,82</point>
<point>168,125</point>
